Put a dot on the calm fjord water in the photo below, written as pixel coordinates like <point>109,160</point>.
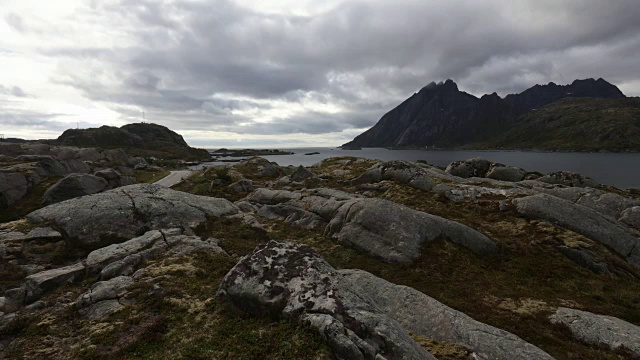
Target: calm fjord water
<point>617,169</point>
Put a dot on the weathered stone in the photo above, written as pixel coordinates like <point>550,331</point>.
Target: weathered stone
<point>72,186</point>
<point>505,173</point>
<point>585,259</point>
<point>476,167</point>
<point>583,220</point>
<point>301,174</point>
<point>272,197</point>
<point>401,171</point>
<point>13,187</point>
<point>600,329</point>
<point>292,281</point>
<point>397,233</point>
<point>105,290</point>
<point>39,283</point>
<point>422,315</point>
<point>101,309</point>
<point>245,206</point>
<point>569,179</point>
<point>123,213</point>
<point>114,178</point>
<point>264,168</point>
<point>242,186</point>
<point>99,258</point>
<point>362,316</point>
<point>631,217</point>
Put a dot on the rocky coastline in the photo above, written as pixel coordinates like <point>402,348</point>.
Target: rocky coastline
<point>349,259</point>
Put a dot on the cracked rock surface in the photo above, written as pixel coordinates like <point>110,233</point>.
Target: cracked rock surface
<point>123,213</point>
<point>362,316</point>
<point>600,329</point>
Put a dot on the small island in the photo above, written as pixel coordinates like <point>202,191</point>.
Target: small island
<point>248,152</point>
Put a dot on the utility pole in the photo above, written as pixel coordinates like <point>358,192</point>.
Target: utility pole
<point>1,137</point>
<point>144,118</point>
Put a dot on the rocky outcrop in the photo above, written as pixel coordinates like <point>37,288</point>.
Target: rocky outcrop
<point>115,178</point>
<point>600,329</point>
<point>292,281</point>
<point>404,172</point>
<point>381,228</point>
<point>361,316</point>
<point>116,215</point>
<point>261,167</point>
<point>242,186</point>
<point>585,221</point>
<point>397,233</point>
<point>13,187</point>
<point>469,168</point>
<point>38,284</point>
<point>102,299</point>
<point>73,186</point>
<point>122,259</point>
<point>301,174</point>
<point>113,264</point>
<point>569,179</point>
<point>505,173</point>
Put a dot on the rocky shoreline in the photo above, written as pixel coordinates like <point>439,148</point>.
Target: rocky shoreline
<point>349,259</point>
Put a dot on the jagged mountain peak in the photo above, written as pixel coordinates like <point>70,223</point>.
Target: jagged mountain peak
<point>442,115</point>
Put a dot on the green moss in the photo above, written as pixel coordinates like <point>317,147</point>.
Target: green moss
<point>149,177</point>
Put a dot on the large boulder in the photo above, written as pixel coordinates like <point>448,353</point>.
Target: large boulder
<point>476,167</point>
<point>397,233</point>
<point>114,178</point>
<point>301,174</point>
<point>404,172</point>
<point>292,281</point>
<point>585,221</point>
<point>362,316</point>
<point>13,187</point>
<point>600,329</point>
<point>38,284</point>
<point>120,214</point>
<point>261,167</point>
<point>73,186</point>
<point>506,173</point>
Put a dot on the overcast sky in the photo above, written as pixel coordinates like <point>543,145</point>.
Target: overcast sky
<point>279,73</point>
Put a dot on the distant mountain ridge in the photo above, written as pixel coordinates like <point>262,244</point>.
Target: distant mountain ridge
<point>441,115</point>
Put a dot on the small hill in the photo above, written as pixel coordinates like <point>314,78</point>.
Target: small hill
<point>575,124</point>
<point>140,139</point>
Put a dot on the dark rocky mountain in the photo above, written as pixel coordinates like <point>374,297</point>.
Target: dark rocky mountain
<point>441,115</point>
<point>575,124</point>
<point>144,139</point>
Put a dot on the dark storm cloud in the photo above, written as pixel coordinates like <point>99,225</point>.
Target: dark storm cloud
<point>361,56</point>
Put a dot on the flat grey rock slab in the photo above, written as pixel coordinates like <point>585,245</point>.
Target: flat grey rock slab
<point>600,329</point>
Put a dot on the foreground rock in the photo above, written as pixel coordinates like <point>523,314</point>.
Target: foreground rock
<point>113,264</point>
<point>600,329</point>
<point>120,214</point>
<point>476,167</point>
<point>362,316</point>
<point>403,172</point>
<point>397,233</point>
<point>381,228</point>
<point>569,179</point>
<point>73,186</point>
<point>585,221</point>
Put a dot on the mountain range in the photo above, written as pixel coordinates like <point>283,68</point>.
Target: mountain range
<point>442,116</point>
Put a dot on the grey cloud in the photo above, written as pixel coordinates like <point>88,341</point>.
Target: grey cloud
<point>365,56</point>
<point>12,91</point>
